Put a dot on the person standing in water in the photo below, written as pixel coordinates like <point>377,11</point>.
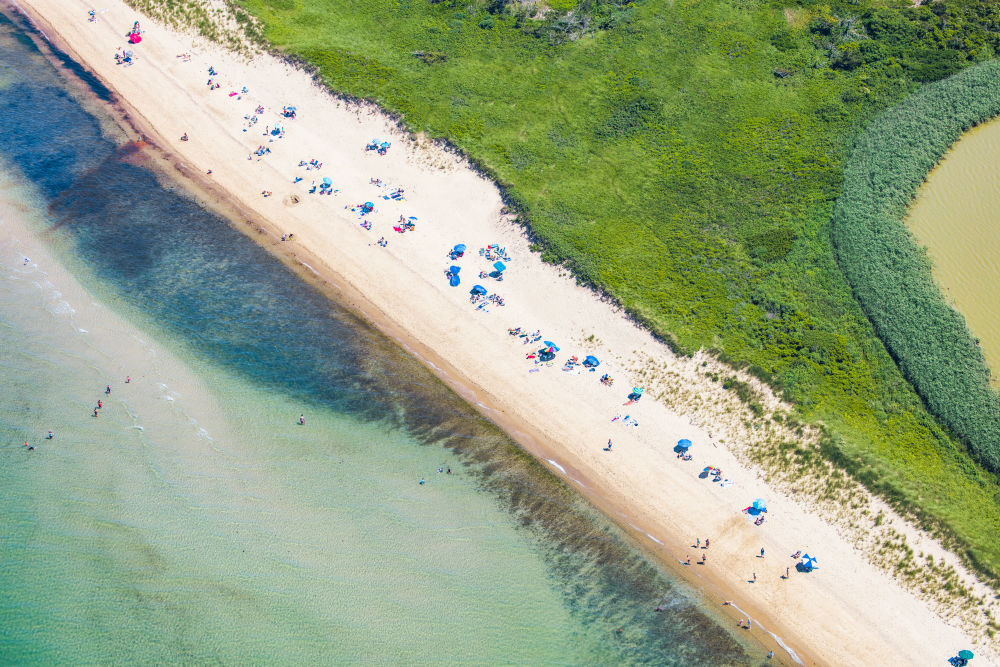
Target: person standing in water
<point>50,436</point>
<point>302,420</point>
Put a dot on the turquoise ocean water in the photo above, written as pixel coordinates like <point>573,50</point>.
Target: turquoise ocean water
<point>194,520</point>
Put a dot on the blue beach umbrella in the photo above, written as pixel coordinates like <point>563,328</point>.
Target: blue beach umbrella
<point>809,562</point>
<point>591,360</point>
<point>965,654</point>
<point>683,443</point>
<point>327,180</point>
<point>500,266</point>
<point>459,248</point>
<point>549,343</point>
<point>455,269</point>
<point>478,289</point>
<point>760,505</point>
<point>454,280</point>
<point>368,204</point>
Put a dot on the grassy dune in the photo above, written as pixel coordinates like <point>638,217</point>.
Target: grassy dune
<point>685,157</point>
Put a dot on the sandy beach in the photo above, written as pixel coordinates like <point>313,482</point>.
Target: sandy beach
<point>227,138</point>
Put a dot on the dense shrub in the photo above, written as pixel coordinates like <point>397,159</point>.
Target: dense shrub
<point>891,276</point>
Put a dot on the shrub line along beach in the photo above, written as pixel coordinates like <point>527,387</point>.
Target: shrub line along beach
<point>382,230</point>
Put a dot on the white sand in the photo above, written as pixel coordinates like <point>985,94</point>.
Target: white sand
<point>846,613</point>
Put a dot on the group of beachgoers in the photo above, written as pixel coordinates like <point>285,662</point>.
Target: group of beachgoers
<point>97,410</point>
<point>276,131</point>
<point>545,356</point>
<point>124,56</point>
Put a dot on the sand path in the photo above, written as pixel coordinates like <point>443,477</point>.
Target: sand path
<point>846,613</point>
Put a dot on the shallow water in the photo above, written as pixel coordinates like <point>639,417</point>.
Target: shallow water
<point>956,215</point>
<point>194,520</point>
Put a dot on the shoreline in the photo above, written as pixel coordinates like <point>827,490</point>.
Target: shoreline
<point>152,154</point>
<point>548,446</point>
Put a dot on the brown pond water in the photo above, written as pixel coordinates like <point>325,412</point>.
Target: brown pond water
<point>956,215</point>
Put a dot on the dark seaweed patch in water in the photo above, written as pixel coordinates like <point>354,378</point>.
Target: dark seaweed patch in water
<point>19,30</point>
<point>49,137</point>
<point>239,307</point>
<point>221,293</point>
<point>607,583</point>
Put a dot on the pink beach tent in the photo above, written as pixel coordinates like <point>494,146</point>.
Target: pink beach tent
<point>135,38</point>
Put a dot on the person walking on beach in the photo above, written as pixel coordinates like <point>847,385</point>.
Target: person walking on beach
<point>762,552</point>
<point>754,578</point>
<point>107,390</point>
<point>786,573</point>
<point>697,543</point>
<point>608,448</point>
<point>706,542</point>
<point>99,404</point>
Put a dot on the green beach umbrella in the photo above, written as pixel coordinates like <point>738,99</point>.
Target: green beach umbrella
<point>966,655</point>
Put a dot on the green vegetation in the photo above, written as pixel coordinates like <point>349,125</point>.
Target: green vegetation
<point>685,158</point>
<point>891,276</point>
<point>211,22</point>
